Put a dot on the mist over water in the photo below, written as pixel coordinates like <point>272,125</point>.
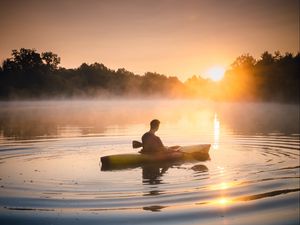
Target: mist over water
<point>50,170</point>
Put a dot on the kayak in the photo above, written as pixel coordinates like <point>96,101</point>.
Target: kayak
<point>132,160</point>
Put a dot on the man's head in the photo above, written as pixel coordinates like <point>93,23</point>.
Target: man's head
<point>154,124</point>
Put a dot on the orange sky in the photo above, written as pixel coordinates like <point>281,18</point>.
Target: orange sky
<point>173,37</point>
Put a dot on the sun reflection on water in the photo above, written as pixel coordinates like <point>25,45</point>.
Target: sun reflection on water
<point>216,132</point>
<point>223,201</point>
<point>223,186</point>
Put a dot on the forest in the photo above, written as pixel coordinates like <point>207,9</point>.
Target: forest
<point>28,74</point>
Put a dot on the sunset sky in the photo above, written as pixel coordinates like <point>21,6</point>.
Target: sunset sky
<point>174,37</point>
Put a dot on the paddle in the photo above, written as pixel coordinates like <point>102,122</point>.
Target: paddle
<point>136,144</point>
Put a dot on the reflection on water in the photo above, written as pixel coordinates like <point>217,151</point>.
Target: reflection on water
<point>26,120</point>
<point>152,174</point>
<point>50,163</point>
<point>216,132</point>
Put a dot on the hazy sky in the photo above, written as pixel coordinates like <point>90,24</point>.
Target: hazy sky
<point>173,37</point>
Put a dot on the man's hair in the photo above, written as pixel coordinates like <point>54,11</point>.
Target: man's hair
<point>154,123</point>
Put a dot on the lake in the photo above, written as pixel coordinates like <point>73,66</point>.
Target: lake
<point>50,169</point>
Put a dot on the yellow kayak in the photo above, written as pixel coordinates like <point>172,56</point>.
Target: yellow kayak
<point>131,160</point>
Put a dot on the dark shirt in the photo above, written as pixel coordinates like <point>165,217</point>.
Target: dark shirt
<point>151,143</point>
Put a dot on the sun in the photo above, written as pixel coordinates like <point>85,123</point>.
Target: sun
<point>215,73</point>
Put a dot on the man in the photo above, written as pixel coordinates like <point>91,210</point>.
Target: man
<point>152,143</point>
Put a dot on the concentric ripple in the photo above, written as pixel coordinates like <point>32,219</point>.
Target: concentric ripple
<point>251,177</point>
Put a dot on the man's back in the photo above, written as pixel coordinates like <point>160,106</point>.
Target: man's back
<point>151,143</point>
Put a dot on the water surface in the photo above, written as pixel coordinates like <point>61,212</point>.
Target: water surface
<point>50,170</point>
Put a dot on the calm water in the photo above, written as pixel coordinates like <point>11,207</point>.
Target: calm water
<point>50,172</point>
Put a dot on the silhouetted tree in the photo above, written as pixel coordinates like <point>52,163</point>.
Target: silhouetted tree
<point>29,74</point>
<point>51,60</point>
<point>272,78</point>
<point>244,62</point>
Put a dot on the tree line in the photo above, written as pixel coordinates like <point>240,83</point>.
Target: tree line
<point>28,74</point>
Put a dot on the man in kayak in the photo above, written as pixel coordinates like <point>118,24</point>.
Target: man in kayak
<point>152,143</point>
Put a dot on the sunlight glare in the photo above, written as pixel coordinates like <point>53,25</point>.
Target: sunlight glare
<point>216,132</point>
<point>223,201</point>
<point>224,186</point>
<point>215,73</point>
